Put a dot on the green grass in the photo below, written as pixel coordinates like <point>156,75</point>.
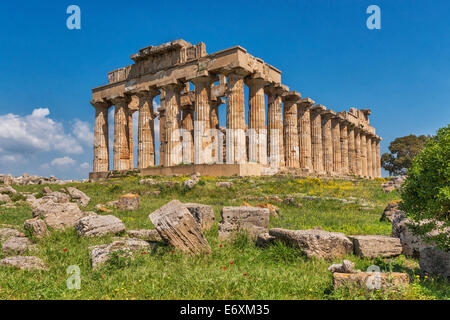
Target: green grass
<point>276,272</point>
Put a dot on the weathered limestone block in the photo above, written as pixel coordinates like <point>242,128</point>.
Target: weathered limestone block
<point>7,189</point>
<point>16,246</point>
<point>5,198</point>
<point>369,280</point>
<point>264,240</point>
<point>435,261</point>
<point>128,202</point>
<point>224,184</point>
<point>376,246</point>
<point>58,215</point>
<point>190,183</point>
<point>252,220</point>
<point>390,211</point>
<point>36,227</point>
<point>80,197</point>
<point>149,182</point>
<point>6,233</point>
<point>345,267</point>
<point>150,235</point>
<point>102,253</point>
<point>202,213</point>
<point>316,243</point>
<point>176,225</point>
<point>21,262</point>
<point>411,243</point>
<point>56,196</point>
<point>97,226</point>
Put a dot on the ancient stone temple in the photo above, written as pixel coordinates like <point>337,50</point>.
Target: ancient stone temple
<point>290,134</point>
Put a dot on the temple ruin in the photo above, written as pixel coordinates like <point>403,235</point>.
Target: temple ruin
<point>297,135</point>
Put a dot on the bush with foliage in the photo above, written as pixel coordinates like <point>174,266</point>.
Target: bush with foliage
<point>426,191</point>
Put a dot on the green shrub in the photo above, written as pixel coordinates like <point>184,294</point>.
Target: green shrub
<point>18,197</point>
<point>426,191</point>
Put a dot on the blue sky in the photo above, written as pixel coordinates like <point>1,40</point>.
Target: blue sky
<point>326,52</point>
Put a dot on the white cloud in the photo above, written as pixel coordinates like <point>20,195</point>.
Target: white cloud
<point>83,132</point>
<point>35,133</point>
<point>85,165</point>
<point>63,162</point>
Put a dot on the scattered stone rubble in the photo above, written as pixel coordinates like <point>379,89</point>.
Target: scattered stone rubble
<point>393,184</point>
<point>23,263</point>
<point>254,221</point>
<point>26,179</point>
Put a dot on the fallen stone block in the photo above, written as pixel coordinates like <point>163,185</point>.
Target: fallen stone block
<point>376,246</point>
<point>264,240</point>
<point>7,189</point>
<point>98,226</point>
<point>150,182</point>
<point>202,213</point>
<point>24,262</point>
<point>6,233</point>
<point>345,267</point>
<point>58,216</point>
<point>224,184</point>
<point>16,246</point>
<point>390,211</point>
<point>80,197</point>
<point>36,227</point>
<point>435,261</point>
<point>254,221</point>
<point>370,280</point>
<point>176,225</point>
<point>5,198</point>
<point>316,243</point>
<point>128,202</point>
<point>102,253</point>
<point>150,235</point>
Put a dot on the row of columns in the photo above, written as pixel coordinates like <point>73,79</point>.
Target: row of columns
<point>305,136</point>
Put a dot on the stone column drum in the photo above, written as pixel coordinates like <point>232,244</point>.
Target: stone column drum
<point>275,125</point>
<point>121,134</point>
<point>363,154</point>
<point>304,128</point>
<point>316,138</point>
<point>358,152</point>
<point>202,120</point>
<point>187,126</point>
<point>173,152</point>
<point>257,121</point>
<point>101,139</point>
<point>327,143</point>
<point>345,167</point>
<point>291,148</point>
<point>336,140</point>
<point>235,135</point>
<point>146,129</point>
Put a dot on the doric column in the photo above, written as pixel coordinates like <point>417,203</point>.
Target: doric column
<point>345,167</point>
<point>162,131</point>
<point>363,154</point>
<point>336,140</point>
<point>304,131</point>
<point>187,126</point>
<point>369,156</point>
<point>377,147</point>
<point>275,124</point>
<point>101,142</point>
<point>291,100</point>
<point>217,136</point>
<point>353,170</point>
<point>374,157</point>
<point>130,136</point>
<point>327,143</point>
<point>316,138</point>
<point>173,151</point>
<point>235,135</point>
<point>121,134</point>
<point>146,129</point>
<point>257,121</point>
<point>358,152</point>
<point>202,119</point>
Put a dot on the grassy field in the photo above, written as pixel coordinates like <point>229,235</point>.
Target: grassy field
<point>238,270</point>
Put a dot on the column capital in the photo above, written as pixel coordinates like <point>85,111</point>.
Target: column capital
<point>203,77</point>
<point>169,84</point>
<point>276,89</point>
<point>255,80</point>
<point>120,100</point>
<point>328,114</point>
<point>291,97</point>
<point>318,108</point>
<point>306,103</point>
<point>101,104</point>
<point>150,93</point>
